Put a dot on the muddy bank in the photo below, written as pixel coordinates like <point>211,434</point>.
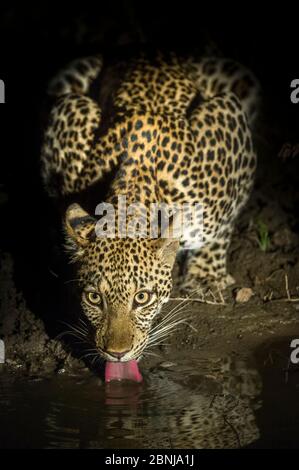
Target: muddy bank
<point>28,348</point>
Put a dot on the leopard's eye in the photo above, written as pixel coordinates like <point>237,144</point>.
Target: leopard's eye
<point>94,298</point>
<point>142,297</point>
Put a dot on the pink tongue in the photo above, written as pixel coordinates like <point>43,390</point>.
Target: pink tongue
<point>122,371</point>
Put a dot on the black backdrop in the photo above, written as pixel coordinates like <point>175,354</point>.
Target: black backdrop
<point>36,39</point>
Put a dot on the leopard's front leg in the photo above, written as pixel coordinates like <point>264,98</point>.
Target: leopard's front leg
<point>206,267</point>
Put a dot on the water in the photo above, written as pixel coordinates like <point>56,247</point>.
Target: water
<point>215,403</point>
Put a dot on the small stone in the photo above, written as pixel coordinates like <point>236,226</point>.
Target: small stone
<point>244,294</point>
<point>285,238</point>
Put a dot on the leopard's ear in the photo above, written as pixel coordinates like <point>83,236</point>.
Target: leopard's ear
<point>79,225</point>
<point>167,249</point>
<point>168,243</point>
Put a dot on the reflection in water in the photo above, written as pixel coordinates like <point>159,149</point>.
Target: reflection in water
<point>210,407</point>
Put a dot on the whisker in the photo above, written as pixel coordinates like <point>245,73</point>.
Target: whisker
<point>79,329</point>
<point>82,322</point>
<point>53,273</point>
<point>89,355</point>
<point>147,353</point>
<point>170,325</point>
<point>182,304</point>
<point>182,301</point>
<point>167,319</point>
<point>71,333</point>
<point>171,319</point>
<point>157,336</point>
<point>159,343</point>
<point>73,280</point>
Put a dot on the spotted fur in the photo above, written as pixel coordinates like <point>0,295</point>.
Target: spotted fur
<point>177,132</point>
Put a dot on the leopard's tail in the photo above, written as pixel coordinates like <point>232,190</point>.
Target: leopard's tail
<point>70,129</point>
<point>76,77</point>
<point>214,76</point>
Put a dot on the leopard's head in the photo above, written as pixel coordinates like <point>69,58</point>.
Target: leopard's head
<point>123,284</point>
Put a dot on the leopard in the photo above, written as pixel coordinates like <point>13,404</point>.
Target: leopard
<point>153,128</point>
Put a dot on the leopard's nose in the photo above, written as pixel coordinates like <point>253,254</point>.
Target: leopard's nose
<point>117,354</point>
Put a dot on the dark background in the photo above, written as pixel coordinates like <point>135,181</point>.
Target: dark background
<point>38,38</point>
